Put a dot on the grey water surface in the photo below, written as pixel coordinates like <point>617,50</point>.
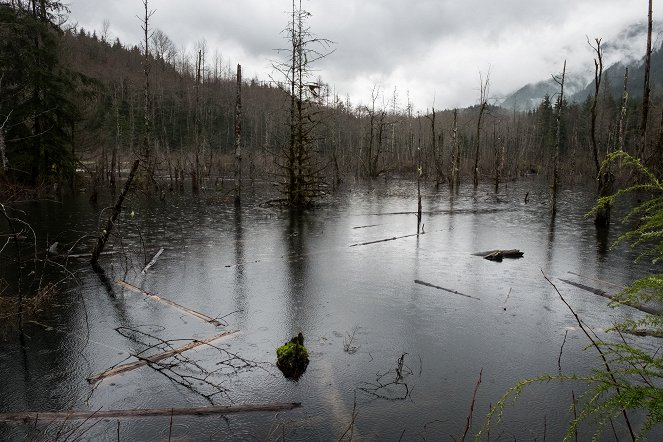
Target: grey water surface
<point>271,273</point>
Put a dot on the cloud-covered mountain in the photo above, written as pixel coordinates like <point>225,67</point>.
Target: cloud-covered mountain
<point>530,96</point>
<point>617,55</point>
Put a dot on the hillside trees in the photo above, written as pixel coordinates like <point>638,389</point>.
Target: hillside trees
<point>38,93</point>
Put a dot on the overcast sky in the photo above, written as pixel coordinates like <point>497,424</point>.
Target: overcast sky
<point>433,49</point>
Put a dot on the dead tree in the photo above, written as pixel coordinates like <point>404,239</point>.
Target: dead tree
<point>437,158</point>
<point>646,87</point>
<point>499,146</point>
<point>147,148</point>
<point>419,174</point>
<point>195,173</point>
<point>558,138</point>
<point>455,153</point>
<point>602,218</point>
<point>301,172</point>
<point>3,155</point>
<point>622,113</point>
<point>238,137</point>
<point>105,233</point>
<point>483,101</point>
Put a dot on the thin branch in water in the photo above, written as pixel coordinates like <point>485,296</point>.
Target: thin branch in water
<point>561,349</point>
<point>468,423</point>
<point>598,349</point>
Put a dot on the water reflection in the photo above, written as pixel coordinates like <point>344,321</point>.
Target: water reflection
<point>602,242</point>
<point>239,286</point>
<point>292,271</point>
<point>295,237</point>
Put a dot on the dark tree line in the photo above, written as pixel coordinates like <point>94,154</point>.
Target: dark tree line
<point>72,100</point>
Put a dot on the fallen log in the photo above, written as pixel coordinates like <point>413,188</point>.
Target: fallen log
<point>621,287</point>
<point>393,238</point>
<point>498,255</point>
<point>153,261</point>
<point>88,255</point>
<point>36,416</point>
<point>642,308</point>
<point>105,233</point>
<point>428,284</point>
<point>155,358</point>
<point>156,297</point>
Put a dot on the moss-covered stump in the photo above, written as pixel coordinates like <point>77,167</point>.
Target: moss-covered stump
<point>292,358</point>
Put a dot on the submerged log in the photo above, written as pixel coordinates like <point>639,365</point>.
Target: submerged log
<point>155,358</point>
<point>36,416</point>
<point>393,238</point>
<point>428,284</point>
<point>642,308</point>
<point>498,255</point>
<point>156,297</point>
<point>153,261</point>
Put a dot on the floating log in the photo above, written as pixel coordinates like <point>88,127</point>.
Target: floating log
<point>153,261</point>
<point>156,297</point>
<point>155,358</point>
<point>88,255</point>
<point>642,308</point>
<point>36,416</point>
<point>366,227</point>
<point>428,284</point>
<point>393,238</point>
<point>498,255</point>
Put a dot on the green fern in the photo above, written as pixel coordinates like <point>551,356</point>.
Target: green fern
<point>631,378</point>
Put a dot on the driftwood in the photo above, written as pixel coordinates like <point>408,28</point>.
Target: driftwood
<point>156,297</point>
<point>153,261</point>
<point>498,255</point>
<point>385,240</point>
<point>156,358</point>
<point>427,284</point>
<point>36,416</point>
<point>642,308</point>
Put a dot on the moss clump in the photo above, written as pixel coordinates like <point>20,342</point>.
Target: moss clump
<point>292,357</point>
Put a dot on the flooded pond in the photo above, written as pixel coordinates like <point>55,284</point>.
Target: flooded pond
<point>404,356</point>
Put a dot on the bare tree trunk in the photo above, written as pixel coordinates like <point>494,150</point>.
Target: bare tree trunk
<point>483,86</point>
<point>647,88</point>
<point>455,158</point>
<point>622,113</point>
<point>3,155</point>
<point>419,173</point>
<point>195,173</point>
<point>103,236</point>
<point>602,217</point>
<point>238,137</point>
<point>118,133</point>
<point>558,141</point>
<point>598,74</point>
<point>147,151</point>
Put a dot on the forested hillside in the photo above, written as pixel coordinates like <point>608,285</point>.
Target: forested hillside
<point>73,101</point>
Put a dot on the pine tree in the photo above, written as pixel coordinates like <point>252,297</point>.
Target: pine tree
<point>38,92</point>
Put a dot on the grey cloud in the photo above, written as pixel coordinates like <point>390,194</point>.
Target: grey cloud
<point>431,46</point>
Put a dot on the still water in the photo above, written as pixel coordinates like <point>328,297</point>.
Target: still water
<point>270,274</point>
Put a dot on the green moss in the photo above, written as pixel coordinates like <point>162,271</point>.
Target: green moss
<point>292,358</point>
